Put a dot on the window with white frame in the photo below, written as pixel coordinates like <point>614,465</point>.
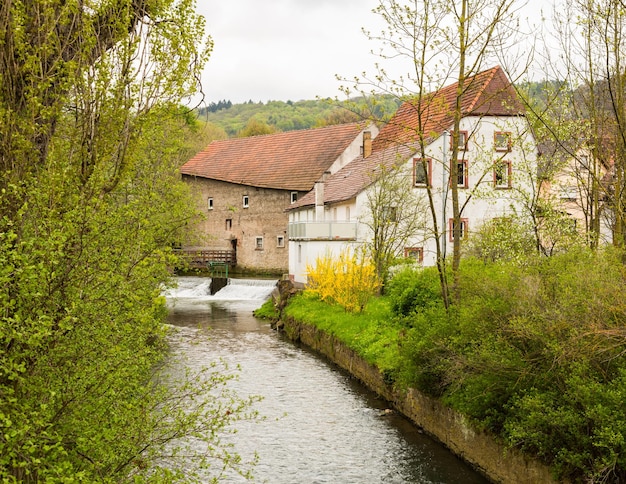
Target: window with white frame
<point>258,244</point>
<point>414,253</point>
<point>463,229</point>
<point>209,204</point>
<point>502,174</point>
<point>569,193</point>
<point>294,197</point>
<point>502,141</point>
<point>280,241</point>
<point>422,172</point>
<point>246,201</point>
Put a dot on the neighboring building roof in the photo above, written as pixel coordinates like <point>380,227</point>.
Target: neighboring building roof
<point>356,175</point>
<point>488,93</point>
<point>292,160</point>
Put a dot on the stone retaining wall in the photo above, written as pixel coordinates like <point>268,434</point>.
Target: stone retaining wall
<point>479,449</point>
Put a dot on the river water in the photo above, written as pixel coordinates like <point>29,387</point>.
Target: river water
<point>321,425</point>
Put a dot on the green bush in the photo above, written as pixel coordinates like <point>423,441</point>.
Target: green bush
<point>413,289</point>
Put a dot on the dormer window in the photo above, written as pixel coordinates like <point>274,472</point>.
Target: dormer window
<point>294,197</point>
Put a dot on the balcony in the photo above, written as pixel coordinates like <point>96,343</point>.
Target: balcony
<point>322,231</point>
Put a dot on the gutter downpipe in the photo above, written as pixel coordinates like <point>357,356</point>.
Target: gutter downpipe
<point>444,193</point>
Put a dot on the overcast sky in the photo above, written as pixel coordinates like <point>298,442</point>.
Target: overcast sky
<point>287,49</point>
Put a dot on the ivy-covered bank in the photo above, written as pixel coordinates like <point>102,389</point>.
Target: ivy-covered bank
<point>532,354</point>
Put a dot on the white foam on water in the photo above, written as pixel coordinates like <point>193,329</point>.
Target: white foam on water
<point>199,288</point>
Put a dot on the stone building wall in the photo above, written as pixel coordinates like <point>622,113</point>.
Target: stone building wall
<point>258,231</point>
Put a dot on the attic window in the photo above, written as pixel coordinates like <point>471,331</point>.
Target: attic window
<point>294,197</point>
<point>246,201</point>
<point>210,203</point>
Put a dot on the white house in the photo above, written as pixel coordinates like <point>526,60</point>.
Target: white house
<point>496,167</point>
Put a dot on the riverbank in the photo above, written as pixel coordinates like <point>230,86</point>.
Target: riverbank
<point>480,449</point>
<point>367,346</point>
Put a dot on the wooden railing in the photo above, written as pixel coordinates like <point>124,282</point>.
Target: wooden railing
<point>202,259</point>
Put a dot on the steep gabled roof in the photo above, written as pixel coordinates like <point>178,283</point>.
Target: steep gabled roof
<point>293,160</point>
<point>488,93</point>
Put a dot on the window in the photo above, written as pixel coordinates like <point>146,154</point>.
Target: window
<point>280,241</point>
<point>415,253</point>
<point>502,141</point>
<point>210,203</point>
<point>389,214</point>
<point>462,180</point>
<point>569,193</point>
<point>462,140</point>
<point>294,197</point>
<point>502,174</point>
<point>246,201</point>
<point>229,224</point>
<point>451,229</point>
<point>422,172</point>
<point>258,243</point>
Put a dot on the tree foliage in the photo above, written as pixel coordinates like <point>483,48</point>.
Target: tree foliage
<point>91,137</point>
<point>536,354</point>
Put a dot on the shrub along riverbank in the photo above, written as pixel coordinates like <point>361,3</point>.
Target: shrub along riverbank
<point>534,353</point>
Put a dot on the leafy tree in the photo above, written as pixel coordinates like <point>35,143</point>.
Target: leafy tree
<point>255,128</point>
<point>442,43</point>
<point>91,136</point>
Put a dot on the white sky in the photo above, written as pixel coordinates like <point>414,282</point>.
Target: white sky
<point>288,49</point>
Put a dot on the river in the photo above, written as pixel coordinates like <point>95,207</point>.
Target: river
<point>321,426</point>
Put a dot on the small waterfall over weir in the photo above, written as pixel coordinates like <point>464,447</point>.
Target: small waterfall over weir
<point>199,288</point>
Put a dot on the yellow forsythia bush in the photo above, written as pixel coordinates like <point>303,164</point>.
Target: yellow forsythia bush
<point>348,280</point>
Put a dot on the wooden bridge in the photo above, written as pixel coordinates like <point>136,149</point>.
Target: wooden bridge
<point>208,258</point>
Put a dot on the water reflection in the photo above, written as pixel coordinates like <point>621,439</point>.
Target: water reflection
<point>322,426</point>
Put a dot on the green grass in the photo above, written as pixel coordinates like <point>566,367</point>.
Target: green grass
<point>371,333</point>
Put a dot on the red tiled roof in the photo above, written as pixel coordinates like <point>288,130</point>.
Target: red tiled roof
<point>356,175</point>
<point>488,93</point>
<point>293,160</point>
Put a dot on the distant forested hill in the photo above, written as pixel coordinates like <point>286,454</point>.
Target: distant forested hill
<point>224,119</point>
<point>273,116</point>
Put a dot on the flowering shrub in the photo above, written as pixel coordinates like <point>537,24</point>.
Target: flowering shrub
<point>348,280</point>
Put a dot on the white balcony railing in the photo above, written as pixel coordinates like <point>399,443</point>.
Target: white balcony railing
<point>322,231</point>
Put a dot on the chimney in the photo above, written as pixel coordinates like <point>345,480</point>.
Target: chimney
<point>319,197</point>
<point>367,143</point>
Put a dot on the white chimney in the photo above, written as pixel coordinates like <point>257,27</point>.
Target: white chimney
<point>319,197</point>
